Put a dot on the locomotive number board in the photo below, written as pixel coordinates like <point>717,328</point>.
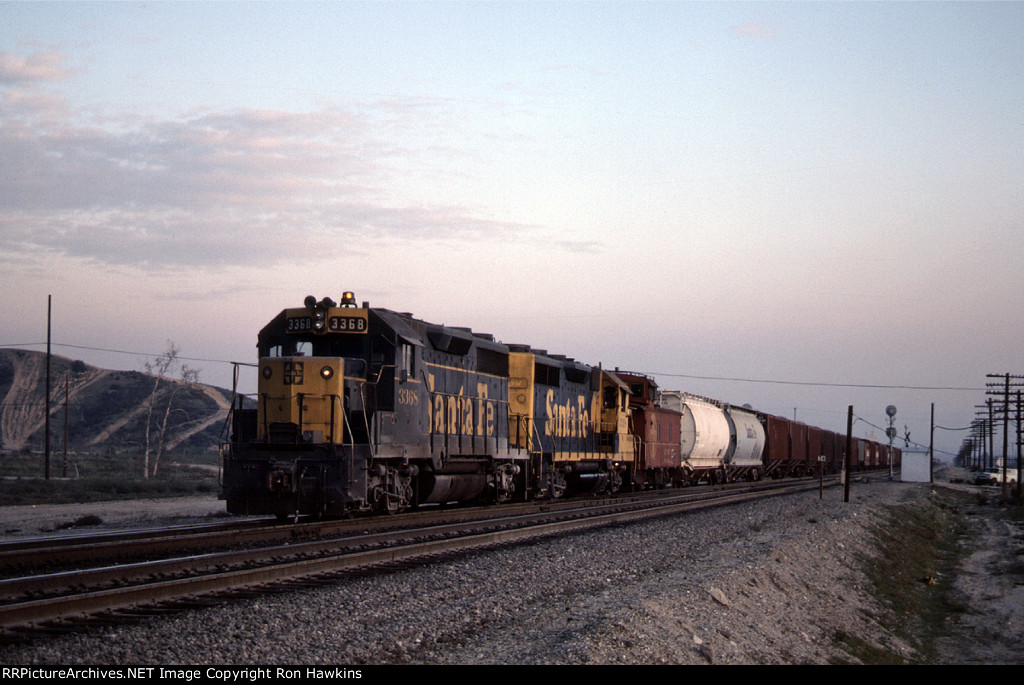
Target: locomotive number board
<point>335,324</point>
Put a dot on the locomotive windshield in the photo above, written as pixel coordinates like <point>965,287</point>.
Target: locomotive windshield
<point>366,356</point>
<point>315,346</point>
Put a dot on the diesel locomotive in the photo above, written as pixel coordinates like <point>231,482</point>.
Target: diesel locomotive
<point>364,409</point>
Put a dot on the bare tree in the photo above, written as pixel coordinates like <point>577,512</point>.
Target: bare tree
<point>189,379</point>
<point>160,368</point>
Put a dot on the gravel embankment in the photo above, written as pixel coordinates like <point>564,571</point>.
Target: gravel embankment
<point>765,583</point>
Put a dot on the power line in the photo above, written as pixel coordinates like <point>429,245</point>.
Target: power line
<point>135,354</point>
<point>764,381</point>
<point>815,384</point>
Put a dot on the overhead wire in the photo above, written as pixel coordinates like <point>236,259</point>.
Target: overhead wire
<point>135,354</point>
<point>764,381</point>
<point>730,379</point>
<point>819,384</point>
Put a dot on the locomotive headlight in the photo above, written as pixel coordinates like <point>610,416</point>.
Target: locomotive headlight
<point>319,319</point>
<point>267,371</point>
<point>326,373</point>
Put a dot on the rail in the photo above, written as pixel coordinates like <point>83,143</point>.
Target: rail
<point>205,574</point>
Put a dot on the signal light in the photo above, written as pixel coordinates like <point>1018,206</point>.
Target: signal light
<point>348,299</point>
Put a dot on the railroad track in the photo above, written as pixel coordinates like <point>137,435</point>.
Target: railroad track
<point>55,601</point>
<point>62,553</point>
<point>62,550</point>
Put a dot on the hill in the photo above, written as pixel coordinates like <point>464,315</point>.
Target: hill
<point>107,411</point>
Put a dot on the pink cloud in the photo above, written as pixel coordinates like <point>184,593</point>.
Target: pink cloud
<point>42,66</point>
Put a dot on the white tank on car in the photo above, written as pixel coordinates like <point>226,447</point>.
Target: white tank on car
<point>703,429</point>
<point>746,436</point>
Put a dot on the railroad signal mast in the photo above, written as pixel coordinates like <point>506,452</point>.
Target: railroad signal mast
<point>890,432</point>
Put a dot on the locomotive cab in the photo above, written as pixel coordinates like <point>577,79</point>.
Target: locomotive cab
<point>314,365</point>
<point>324,378</point>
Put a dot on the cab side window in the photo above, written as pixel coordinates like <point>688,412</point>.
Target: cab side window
<point>406,361</point>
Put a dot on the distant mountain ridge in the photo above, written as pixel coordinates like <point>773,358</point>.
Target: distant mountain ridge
<point>106,410</point>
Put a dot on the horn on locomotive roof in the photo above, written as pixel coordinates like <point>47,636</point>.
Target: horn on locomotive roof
<point>312,304</point>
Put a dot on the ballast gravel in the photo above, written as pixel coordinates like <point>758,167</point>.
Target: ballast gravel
<point>772,582</point>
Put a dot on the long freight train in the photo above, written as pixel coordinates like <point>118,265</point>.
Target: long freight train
<point>364,409</point>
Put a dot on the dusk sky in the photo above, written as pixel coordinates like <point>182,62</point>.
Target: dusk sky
<point>797,206</point>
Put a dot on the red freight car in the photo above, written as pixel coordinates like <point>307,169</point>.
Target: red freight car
<point>656,432</point>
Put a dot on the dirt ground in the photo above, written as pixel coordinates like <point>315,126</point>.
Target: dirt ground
<point>990,585</point>
<point>35,520</point>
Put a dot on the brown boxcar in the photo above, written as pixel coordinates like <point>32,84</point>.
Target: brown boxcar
<point>776,444</point>
<point>798,456</point>
<point>829,443</point>
<point>862,457</point>
<point>814,438</point>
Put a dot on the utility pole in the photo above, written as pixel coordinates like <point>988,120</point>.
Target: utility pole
<point>985,430</point>
<point>991,436</point>
<point>979,430</point>
<point>849,449</point>
<point>46,439</point>
<point>931,446</point>
<point>1018,382</point>
<point>67,406</point>
<point>1020,485</point>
